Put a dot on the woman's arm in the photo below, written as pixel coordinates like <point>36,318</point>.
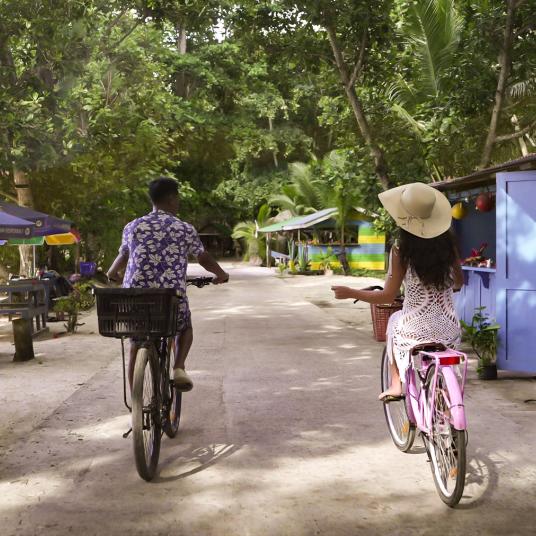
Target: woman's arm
<point>391,289</point>
<point>457,276</point>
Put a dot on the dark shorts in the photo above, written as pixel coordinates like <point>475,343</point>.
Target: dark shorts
<point>184,318</point>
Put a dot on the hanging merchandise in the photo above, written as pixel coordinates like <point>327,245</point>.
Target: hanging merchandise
<point>459,211</point>
<point>485,202</point>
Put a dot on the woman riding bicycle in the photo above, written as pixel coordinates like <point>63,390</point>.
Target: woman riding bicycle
<point>425,259</point>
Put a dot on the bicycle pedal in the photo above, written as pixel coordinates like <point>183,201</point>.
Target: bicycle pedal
<point>126,434</point>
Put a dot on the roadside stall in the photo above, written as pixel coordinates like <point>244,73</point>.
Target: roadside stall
<point>317,237</point>
<point>494,214</point>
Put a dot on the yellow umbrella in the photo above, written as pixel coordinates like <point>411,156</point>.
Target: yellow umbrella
<point>63,239</point>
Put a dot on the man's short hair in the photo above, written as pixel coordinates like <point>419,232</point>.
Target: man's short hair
<point>161,188</point>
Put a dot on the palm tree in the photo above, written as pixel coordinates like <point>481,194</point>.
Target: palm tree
<point>432,33</point>
<point>247,230</point>
<point>301,196</point>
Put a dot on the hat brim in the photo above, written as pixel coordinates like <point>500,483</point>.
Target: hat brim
<point>438,223</point>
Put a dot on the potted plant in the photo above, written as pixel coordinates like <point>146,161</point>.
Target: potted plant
<point>483,337</point>
<point>303,260</point>
<point>80,299</point>
<point>325,261</point>
<point>292,256</point>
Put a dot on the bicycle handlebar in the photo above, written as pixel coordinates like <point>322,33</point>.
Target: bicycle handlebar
<point>372,287</point>
<point>198,282</point>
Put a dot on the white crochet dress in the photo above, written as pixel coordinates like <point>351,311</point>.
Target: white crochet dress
<point>428,315</point>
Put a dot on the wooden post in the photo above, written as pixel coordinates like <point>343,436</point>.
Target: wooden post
<point>22,333</point>
<point>268,250</point>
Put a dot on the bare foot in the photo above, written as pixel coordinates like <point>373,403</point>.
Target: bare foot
<point>394,390</point>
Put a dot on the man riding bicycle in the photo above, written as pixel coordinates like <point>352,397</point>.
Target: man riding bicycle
<point>154,251</point>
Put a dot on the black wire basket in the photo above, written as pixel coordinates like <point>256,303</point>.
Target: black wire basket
<point>137,312</point>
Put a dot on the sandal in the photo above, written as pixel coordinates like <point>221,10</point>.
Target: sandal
<point>182,381</point>
<point>391,398</point>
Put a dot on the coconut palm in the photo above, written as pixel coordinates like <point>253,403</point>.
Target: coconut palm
<point>301,196</point>
<point>247,230</point>
<point>432,33</point>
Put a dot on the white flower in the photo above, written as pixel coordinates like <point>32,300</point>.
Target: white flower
<point>172,249</point>
<point>155,258</point>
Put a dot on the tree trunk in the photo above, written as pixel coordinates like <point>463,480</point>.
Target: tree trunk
<point>271,127</point>
<point>25,199</point>
<point>380,165</point>
<point>504,73</point>
<point>181,86</point>
<point>22,334</point>
<point>20,179</point>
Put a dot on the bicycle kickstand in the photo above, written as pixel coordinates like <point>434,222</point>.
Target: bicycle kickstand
<point>126,434</point>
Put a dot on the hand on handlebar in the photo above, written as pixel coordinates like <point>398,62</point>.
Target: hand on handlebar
<point>220,279</point>
<point>342,293</point>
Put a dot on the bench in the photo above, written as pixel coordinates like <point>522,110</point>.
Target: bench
<point>27,300</point>
<point>279,257</point>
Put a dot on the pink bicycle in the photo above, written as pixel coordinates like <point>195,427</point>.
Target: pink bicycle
<point>433,404</point>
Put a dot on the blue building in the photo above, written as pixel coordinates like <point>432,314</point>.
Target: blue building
<point>507,288</point>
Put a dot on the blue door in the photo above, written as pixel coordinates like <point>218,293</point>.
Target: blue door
<point>516,270</point>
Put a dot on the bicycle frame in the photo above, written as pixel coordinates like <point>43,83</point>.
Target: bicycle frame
<point>160,345</point>
<point>418,411</point>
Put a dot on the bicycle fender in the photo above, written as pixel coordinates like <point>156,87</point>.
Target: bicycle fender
<point>457,408</point>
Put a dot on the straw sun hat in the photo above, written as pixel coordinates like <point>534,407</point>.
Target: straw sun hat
<point>418,208</point>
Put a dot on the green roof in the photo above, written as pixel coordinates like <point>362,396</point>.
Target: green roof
<point>307,220</point>
<point>279,226</point>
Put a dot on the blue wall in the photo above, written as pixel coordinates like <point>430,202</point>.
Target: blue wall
<point>475,228</point>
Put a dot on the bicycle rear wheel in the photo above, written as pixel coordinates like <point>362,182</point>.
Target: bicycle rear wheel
<point>445,444</point>
<point>146,407</point>
<point>401,429</point>
<point>173,397</point>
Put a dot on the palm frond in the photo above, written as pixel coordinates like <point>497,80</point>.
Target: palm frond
<point>523,88</point>
<point>434,34</point>
<point>263,215</point>
<point>418,127</point>
<point>244,229</point>
<point>284,202</point>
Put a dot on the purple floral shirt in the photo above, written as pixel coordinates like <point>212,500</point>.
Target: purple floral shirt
<point>158,245</point>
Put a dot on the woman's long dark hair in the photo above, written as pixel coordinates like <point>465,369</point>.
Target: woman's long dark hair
<point>432,259</point>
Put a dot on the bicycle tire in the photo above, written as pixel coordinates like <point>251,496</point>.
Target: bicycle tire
<point>443,442</point>
<point>400,428</point>
<point>146,416</point>
<point>173,397</point>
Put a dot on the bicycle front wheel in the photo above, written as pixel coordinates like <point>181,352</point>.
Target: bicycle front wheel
<point>401,429</point>
<point>446,445</point>
<point>173,397</point>
<point>146,408</point>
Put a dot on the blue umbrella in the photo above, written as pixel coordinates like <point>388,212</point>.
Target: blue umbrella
<point>14,227</point>
<point>44,223</point>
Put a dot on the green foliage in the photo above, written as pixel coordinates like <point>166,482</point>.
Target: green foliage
<point>326,258</point>
<point>80,299</point>
<point>303,260</point>
<point>482,335</point>
<point>255,241</point>
<point>97,98</point>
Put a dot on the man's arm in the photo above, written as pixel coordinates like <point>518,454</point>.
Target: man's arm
<point>117,266</point>
<point>208,262</point>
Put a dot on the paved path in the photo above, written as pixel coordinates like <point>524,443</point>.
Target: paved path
<point>282,434</point>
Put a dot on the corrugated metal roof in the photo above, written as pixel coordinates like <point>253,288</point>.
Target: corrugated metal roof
<point>486,176</point>
<point>310,219</point>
